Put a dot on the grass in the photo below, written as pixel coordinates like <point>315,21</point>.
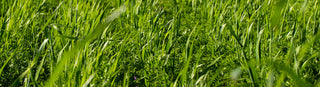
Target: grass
<point>159,43</point>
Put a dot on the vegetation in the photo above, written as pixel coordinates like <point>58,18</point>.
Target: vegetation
<point>150,43</point>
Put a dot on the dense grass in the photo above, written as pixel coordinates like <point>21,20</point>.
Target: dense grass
<point>159,43</point>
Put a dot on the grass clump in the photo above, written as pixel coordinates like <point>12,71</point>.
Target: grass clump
<point>159,43</point>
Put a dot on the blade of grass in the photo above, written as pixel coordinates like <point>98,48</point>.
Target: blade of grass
<point>5,63</point>
<point>88,80</point>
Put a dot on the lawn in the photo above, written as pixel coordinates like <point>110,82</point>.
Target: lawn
<point>159,43</point>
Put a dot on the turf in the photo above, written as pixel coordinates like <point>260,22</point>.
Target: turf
<point>151,43</point>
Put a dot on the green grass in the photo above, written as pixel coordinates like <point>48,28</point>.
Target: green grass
<point>151,43</point>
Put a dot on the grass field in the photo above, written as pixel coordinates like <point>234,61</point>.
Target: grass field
<point>157,43</point>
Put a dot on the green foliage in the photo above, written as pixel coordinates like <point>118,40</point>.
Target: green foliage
<point>159,43</point>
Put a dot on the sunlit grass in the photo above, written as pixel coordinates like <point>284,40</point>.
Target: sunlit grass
<point>159,43</point>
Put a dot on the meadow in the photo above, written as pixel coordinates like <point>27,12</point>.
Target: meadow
<point>159,43</point>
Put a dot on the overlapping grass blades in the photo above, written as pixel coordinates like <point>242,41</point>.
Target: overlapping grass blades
<point>159,43</point>
<point>69,55</point>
